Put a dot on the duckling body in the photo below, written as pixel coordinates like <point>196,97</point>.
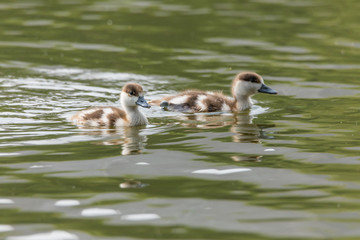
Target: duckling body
<point>131,97</point>
<point>244,86</point>
<point>198,101</point>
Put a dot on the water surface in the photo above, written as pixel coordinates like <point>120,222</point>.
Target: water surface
<point>288,168</point>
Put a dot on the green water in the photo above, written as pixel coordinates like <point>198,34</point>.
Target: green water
<point>287,169</point>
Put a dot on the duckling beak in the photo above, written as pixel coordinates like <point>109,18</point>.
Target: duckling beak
<point>142,102</point>
<point>266,89</point>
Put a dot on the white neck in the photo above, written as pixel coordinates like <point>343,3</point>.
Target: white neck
<point>242,92</point>
<point>135,116</point>
<point>243,102</point>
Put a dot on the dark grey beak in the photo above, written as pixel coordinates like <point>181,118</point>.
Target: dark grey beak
<point>266,89</point>
<point>142,102</point>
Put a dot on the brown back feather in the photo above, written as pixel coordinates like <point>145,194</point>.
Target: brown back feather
<point>94,115</point>
<point>115,115</point>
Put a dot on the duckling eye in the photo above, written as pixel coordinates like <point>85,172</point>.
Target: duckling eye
<point>253,80</point>
<point>132,93</point>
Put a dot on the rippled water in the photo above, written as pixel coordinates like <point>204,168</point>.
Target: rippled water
<point>289,168</point>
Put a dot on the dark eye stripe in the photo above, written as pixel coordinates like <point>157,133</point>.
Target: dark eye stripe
<point>252,79</point>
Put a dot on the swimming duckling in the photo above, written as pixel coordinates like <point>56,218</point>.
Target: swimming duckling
<point>131,97</point>
<point>244,86</point>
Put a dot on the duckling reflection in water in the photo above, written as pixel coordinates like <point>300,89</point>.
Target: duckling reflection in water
<point>203,121</point>
<point>241,128</point>
<point>245,131</point>
<point>242,158</point>
<point>132,96</point>
<point>131,183</point>
<point>240,123</point>
<point>244,86</point>
<point>130,138</point>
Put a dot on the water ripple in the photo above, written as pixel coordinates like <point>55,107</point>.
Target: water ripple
<point>65,46</point>
<point>54,235</point>
<point>140,217</point>
<point>96,212</point>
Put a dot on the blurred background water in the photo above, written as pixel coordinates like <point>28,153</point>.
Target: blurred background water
<point>289,168</point>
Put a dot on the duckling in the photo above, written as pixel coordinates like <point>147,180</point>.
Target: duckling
<point>131,97</point>
<point>244,85</point>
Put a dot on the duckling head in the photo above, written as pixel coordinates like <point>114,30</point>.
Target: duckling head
<point>132,95</point>
<point>247,84</point>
